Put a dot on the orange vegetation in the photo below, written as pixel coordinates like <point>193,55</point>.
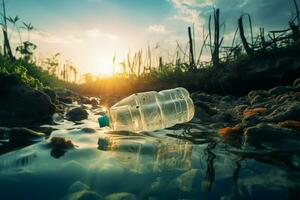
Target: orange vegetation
<point>227,130</point>
<point>254,111</point>
<point>290,124</point>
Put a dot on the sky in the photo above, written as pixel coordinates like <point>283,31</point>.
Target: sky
<point>91,32</point>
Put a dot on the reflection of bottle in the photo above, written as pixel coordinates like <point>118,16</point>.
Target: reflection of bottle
<point>150,111</point>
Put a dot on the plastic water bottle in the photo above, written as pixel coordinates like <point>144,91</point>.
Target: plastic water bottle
<point>150,111</point>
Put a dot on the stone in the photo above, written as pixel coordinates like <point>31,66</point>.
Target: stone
<point>77,187</point>
<point>94,102</point>
<point>184,182</point>
<point>21,105</point>
<point>51,94</point>
<point>256,99</point>
<point>254,111</point>
<point>121,196</point>
<point>77,114</point>
<point>296,83</point>
<point>253,93</point>
<point>84,195</point>
<point>266,135</point>
<point>280,90</point>
<point>67,100</point>
<point>290,124</point>
<point>285,112</point>
<point>88,130</point>
<point>202,97</point>
<point>59,146</point>
<point>61,143</point>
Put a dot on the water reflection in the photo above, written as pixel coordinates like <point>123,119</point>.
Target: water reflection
<point>159,154</point>
<point>210,170</point>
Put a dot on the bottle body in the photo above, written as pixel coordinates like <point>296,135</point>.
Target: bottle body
<point>152,110</point>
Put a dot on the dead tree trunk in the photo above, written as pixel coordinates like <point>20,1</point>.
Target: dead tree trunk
<point>6,44</point>
<point>160,66</point>
<point>191,57</point>
<point>215,56</point>
<point>243,38</point>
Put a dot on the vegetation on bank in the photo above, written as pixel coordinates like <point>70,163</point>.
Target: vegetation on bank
<point>232,68</point>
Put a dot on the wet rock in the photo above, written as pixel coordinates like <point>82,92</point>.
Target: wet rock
<point>269,135</point>
<point>184,182</point>
<point>224,117</point>
<point>238,110</point>
<point>85,100</point>
<point>84,195</point>
<point>51,94</point>
<point>295,125</point>
<point>23,135</point>
<point>254,111</point>
<point>88,130</point>
<point>66,96</point>
<point>20,104</point>
<point>250,121</point>
<point>67,100</point>
<point>77,114</point>
<point>296,83</point>
<point>285,112</point>
<point>205,107</point>
<point>256,99</point>
<point>94,102</point>
<point>61,143</point>
<point>283,98</point>
<point>228,98</point>
<point>279,90</point>
<point>254,93</point>
<point>60,146</point>
<point>121,196</point>
<point>77,187</point>
<point>202,97</point>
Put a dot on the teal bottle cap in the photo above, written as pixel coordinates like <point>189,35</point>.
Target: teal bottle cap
<point>103,121</point>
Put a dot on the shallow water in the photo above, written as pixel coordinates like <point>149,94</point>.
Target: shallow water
<point>155,165</point>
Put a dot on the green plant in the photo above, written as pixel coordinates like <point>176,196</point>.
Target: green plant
<point>26,50</point>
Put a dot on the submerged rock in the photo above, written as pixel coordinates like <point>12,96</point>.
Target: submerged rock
<point>83,195</point>
<point>77,114</point>
<point>77,187</point>
<point>121,196</point>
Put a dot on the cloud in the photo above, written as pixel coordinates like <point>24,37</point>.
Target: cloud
<point>45,37</point>
<point>190,10</point>
<point>271,13</point>
<point>157,29</point>
<point>97,33</point>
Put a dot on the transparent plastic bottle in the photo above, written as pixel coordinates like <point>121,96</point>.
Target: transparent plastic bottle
<point>149,111</point>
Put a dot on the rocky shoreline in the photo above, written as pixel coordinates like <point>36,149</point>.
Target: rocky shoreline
<point>263,115</point>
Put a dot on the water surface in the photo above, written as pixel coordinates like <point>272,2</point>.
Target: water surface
<point>165,164</point>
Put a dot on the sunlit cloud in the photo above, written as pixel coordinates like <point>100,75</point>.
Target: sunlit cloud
<point>157,29</point>
<point>97,33</point>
